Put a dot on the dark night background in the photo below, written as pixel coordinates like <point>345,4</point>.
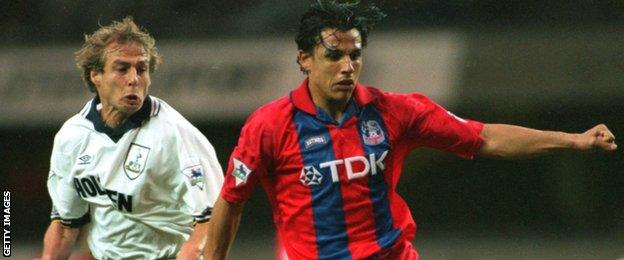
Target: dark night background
<point>554,65</point>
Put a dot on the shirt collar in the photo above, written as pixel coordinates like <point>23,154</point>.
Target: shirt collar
<point>149,108</point>
<point>349,112</point>
<point>301,99</point>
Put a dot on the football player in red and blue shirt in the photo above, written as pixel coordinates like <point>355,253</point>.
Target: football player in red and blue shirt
<point>329,154</point>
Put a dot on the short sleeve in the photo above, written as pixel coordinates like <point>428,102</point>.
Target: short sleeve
<point>67,207</point>
<point>201,172</point>
<point>429,124</point>
<point>248,161</point>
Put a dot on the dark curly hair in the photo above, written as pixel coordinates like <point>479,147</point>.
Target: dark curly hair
<point>332,14</point>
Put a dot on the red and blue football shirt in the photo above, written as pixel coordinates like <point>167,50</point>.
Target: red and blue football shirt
<point>332,185</point>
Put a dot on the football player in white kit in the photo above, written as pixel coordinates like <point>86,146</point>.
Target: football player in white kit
<point>128,163</point>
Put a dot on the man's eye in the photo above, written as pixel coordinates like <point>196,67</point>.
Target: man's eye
<point>334,56</point>
<point>355,55</point>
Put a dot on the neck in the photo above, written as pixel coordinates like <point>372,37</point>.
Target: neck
<point>334,108</point>
<point>112,117</point>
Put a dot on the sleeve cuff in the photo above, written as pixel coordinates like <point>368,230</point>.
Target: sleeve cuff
<point>72,222</point>
<point>204,216</point>
<point>477,128</point>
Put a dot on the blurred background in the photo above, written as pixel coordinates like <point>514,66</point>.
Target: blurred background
<point>555,65</point>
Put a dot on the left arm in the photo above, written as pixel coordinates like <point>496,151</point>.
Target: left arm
<point>194,246</point>
<point>514,142</point>
<point>203,178</point>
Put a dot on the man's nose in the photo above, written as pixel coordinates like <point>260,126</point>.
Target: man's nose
<point>348,66</point>
<point>133,77</point>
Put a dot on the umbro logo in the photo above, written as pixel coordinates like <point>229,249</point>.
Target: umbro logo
<point>315,140</point>
<point>85,159</point>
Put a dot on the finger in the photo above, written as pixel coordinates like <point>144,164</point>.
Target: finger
<point>601,129</point>
<point>607,136</point>
<point>607,146</point>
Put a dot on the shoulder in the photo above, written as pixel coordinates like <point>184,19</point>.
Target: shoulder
<point>76,128</point>
<point>274,113</point>
<point>172,125</point>
<point>166,114</point>
<point>169,118</point>
<point>68,142</point>
<point>399,101</point>
<point>72,133</point>
<point>274,110</point>
<point>265,125</point>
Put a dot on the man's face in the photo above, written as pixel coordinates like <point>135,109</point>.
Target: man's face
<point>334,66</point>
<point>124,81</point>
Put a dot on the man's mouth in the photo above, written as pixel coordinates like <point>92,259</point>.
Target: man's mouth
<point>132,99</point>
<point>345,84</point>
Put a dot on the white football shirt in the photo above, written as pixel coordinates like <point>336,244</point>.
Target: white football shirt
<point>142,185</point>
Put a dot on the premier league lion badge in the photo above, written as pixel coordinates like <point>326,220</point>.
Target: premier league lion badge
<point>195,175</point>
<point>240,171</point>
<point>135,160</point>
<point>372,133</point>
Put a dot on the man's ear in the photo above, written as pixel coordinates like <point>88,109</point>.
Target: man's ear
<point>304,60</point>
<point>96,77</point>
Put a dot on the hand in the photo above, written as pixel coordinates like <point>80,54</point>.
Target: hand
<point>599,137</point>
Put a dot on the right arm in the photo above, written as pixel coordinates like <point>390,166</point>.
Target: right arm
<point>59,241</point>
<point>247,163</point>
<point>223,227</point>
<point>69,211</point>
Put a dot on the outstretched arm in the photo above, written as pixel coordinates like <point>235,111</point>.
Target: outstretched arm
<point>58,241</point>
<point>514,142</point>
<point>223,228</point>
